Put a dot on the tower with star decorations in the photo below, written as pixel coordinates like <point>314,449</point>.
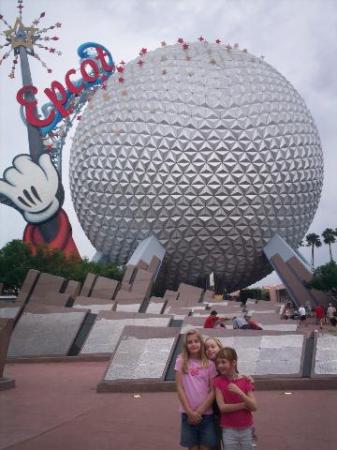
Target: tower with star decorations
<point>22,42</point>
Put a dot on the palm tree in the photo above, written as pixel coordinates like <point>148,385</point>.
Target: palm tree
<point>313,240</point>
<point>329,237</point>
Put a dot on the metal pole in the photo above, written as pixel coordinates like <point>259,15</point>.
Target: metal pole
<point>49,228</point>
<point>34,135</point>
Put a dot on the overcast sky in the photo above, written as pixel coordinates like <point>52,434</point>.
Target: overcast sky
<point>297,37</point>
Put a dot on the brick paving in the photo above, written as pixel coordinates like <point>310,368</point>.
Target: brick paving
<point>55,406</point>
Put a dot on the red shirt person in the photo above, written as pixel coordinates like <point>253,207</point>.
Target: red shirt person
<point>212,320</point>
<point>319,311</point>
<point>320,314</point>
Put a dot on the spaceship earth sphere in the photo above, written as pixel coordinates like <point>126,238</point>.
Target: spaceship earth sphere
<point>206,147</point>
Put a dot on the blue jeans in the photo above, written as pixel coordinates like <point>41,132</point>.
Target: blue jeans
<point>202,433</point>
<point>237,438</point>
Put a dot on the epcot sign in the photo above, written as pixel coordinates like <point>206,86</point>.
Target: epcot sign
<point>92,73</point>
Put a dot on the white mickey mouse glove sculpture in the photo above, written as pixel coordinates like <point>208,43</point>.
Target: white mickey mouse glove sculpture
<point>32,187</point>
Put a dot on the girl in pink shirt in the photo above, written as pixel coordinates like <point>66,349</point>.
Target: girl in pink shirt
<point>236,402</point>
<point>194,377</point>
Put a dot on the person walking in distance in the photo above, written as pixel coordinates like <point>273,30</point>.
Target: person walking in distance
<point>302,314</point>
<point>320,313</point>
<point>330,314</point>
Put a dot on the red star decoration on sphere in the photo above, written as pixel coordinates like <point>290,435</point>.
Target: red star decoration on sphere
<point>201,39</point>
<point>143,51</point>
<point>180,40</point>
<point>218,41</point>
<point>120,69</point>
<point>140,63</point>
<point>120,80</point>
<point>185,46</point>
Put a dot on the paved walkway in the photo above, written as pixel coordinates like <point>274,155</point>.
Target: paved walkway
<point>55,407</point>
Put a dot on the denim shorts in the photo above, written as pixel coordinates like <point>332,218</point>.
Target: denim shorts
<point>237,438</point>
<point>201,434</point>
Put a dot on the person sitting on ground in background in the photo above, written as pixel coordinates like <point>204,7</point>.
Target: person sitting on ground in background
<point>252,325</point>
<point>330,313</point>
<point>213,320</point>
<point>319,312</point>
<point>239,323</point>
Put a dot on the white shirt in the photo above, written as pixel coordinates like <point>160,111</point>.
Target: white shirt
<point>301,311</point>
<point>330,312</point>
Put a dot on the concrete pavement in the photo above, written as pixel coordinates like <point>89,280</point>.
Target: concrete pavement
<point>55,406</point>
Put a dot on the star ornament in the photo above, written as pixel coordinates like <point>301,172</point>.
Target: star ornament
<point>27,38</point>
<point>21,36</point>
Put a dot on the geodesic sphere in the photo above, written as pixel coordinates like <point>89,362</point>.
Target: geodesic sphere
<point>207,148</point>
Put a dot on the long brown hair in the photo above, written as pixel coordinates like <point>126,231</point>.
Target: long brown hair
<point>230,354</point>
<point>185,355</point>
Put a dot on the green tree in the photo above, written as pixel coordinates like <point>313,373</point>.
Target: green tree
<point>16,259</point>
<point>313,240</point>
<point>329,237</point>
<point>325,278</point>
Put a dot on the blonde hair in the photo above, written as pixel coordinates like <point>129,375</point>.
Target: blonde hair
<point>216,340</point>
<point>228,353</point>
<point>185,355</point>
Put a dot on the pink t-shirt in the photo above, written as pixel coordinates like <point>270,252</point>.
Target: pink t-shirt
<point>236,419</point>
<point>197,382</point>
